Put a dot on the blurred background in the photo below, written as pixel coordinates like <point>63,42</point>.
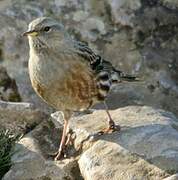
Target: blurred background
<point>138,36</point>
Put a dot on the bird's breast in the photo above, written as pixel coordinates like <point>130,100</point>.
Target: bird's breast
<point>64,82</point>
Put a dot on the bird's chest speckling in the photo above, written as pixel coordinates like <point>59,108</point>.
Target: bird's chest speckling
<point>65,83</point>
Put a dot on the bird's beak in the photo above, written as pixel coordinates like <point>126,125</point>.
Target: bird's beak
<point>30,33</point>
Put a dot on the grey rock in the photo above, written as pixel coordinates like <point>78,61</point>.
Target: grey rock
<point>123,53</point>
<point>146,143</point>
<point>80,16</point>
<point>31,158</point>
<point>123,11</point>
<point>173,177</point>
<point>19,117</point>
<point>106,160</point>
<point>92,27</point>
<point>146,147</point>
<point>172,4</point>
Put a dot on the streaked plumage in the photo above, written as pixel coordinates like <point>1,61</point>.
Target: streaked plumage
<point>66,73</point>
<point>106,74</point>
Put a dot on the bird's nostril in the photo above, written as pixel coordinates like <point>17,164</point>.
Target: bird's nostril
<point>24,34</point>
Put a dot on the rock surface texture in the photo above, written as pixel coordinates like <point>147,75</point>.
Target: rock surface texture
<point>19,118</point>
<point>32,161</point>
<point>146,148</point>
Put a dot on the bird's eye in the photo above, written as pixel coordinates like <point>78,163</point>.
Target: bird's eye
<point>47,28</point>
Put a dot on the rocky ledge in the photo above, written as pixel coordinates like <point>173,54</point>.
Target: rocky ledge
<point>146,148</point>
<point>18,117</point>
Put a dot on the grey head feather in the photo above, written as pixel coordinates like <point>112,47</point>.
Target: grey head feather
<point>54,38</point>
<point>42,22</point>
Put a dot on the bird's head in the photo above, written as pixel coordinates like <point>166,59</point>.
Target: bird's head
<point>45,32</point>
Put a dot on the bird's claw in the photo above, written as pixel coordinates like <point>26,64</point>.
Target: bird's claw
<point>62,153</point>
<point>112,128</point>
<point>59,155</point>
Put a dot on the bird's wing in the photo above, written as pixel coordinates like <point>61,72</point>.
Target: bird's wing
<point>95,61</point>
<point>106,75</point>
<point>98,64</point>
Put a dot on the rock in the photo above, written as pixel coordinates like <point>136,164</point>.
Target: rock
<point>8,87</point>
<point>107,160</point>
<point>124,10</point>
<point>30,158</point>
<point>80,16</point>
<point>92,27</point>
<point>172,4</point>
<point>149,93</point>
<point>149,51</point>
<point>123,53</point>
<point>146,147</point>
<point>19,117</point>
<point>173,177</point>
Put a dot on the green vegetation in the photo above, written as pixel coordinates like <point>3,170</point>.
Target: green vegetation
<point>7,142</point>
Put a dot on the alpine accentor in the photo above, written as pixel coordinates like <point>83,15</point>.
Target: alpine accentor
<point>67,74</point>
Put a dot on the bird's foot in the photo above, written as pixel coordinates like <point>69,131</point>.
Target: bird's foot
<point>58,155</point>
<point>112,128</point>
<point>62,152</point>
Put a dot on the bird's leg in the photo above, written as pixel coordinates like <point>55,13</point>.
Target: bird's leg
<point>112,126</point>
<point>70,137</point>
<point>63,143</point>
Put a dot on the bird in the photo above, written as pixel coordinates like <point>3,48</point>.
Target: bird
<point>67,74</point>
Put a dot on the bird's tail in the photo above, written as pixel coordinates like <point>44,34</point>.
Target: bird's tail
<point>128,77</point>
<point>119,76</point>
